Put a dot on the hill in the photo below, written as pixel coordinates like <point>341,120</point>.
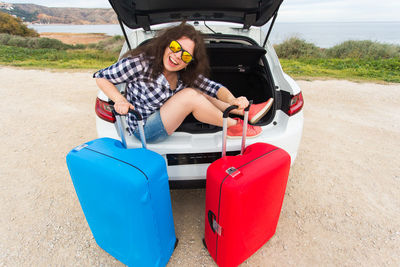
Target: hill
<point>60,15</point>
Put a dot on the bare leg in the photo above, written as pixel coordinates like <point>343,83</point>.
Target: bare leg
<point>187,101</point>
<point>221,105</point>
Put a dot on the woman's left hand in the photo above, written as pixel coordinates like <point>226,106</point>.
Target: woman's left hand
<point>241,102</point>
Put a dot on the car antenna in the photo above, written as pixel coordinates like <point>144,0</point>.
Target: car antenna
<point>209,28</point>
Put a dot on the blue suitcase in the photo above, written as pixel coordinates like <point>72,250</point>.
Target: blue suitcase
<point>124,194</point>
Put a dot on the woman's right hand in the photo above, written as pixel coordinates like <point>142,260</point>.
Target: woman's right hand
<point>122,106</point>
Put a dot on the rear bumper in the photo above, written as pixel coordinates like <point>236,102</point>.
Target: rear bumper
<point>285,133</point>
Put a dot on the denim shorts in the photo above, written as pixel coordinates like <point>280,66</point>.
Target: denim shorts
<point>153,129</point>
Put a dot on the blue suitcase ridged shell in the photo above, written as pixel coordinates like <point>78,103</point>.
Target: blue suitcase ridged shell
<point>124,194</point>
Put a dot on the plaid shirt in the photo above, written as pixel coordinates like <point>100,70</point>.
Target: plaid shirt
<point>145,93</point>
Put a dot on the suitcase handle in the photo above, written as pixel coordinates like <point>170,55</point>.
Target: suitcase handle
<point>225,116</point>
<point>211,217</point>
<point>121,130</point>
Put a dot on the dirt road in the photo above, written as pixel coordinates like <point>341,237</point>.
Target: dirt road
<point>342,204</point>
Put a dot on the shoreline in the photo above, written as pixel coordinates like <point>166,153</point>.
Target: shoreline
<point>321,34</point>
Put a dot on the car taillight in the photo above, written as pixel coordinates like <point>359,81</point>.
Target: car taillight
<point>296,104</point>
<point>103,110</point>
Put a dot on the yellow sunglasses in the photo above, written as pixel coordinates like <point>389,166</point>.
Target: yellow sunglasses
<point>176,47</point>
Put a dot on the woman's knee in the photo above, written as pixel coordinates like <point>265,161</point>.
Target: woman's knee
<point>190,94</point>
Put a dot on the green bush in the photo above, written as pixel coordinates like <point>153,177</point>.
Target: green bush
<point>33,42</point>
<point>17,41</point>
<point>78,46</point>
<point>112,44</point>
<point>4,38</point>
<point>297,48</point>
<point>363,50</point>
<point>52,43</point>
<point>14,26</point>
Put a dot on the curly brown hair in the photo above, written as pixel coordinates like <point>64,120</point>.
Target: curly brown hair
<point>154,49</point>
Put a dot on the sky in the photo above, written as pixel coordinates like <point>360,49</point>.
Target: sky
<point>290,11</point>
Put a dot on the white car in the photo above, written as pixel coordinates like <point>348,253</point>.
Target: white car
<point>241,59</point>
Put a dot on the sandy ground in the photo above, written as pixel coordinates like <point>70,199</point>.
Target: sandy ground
<point>76,38</point>
<point>342,204</point>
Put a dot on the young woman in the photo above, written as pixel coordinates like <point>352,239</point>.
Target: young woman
<point>167,81</point>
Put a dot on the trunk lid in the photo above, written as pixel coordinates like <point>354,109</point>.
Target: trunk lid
<point>144,13</point>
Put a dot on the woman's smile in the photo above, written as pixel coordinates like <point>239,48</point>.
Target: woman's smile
<point>173,61</point>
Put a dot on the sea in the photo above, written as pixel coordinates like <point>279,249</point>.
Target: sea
<point>322,34</point>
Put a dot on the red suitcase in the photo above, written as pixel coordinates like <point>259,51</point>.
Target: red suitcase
<point>244,196</point>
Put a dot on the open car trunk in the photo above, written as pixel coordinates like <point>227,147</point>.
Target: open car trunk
<point>239,65</point>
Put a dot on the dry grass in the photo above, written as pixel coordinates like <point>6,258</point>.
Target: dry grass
<point>76,38</point>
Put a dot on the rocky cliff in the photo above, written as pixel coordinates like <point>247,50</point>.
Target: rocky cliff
<point>50,15</point>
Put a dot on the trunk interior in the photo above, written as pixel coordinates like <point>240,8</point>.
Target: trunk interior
<point>243,69</point>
